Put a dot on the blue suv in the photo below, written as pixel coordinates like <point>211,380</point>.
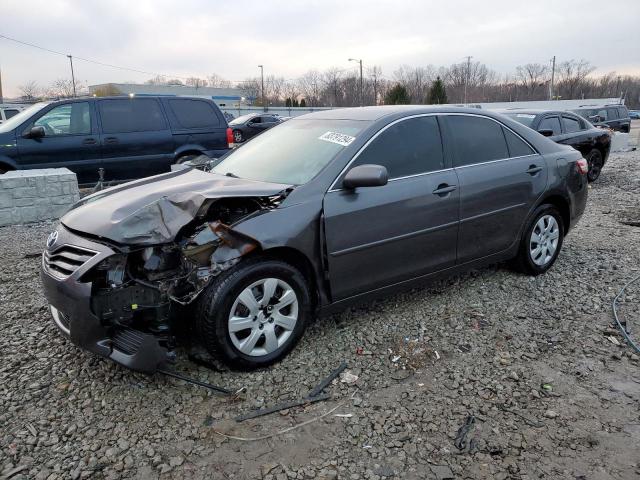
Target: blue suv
<point>130,137</point>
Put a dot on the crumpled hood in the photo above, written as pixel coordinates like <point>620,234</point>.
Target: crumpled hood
<point>153,210</point>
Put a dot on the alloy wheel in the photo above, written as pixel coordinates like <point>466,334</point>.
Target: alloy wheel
<point>543,242</point>
<point>237,136</point>
<point>263,317</point>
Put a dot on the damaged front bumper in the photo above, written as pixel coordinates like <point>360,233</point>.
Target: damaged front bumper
<point>66,261</point>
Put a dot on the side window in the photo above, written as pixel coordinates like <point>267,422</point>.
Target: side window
<point>256,120</point>
<point>131,115</point>
<point>10,112</point>
<point>551,123</point>
<point>603,114</point>
<point>68,119</point>
<point>571,124</point>
<point>612,114</point>
<point>194,113</point>
<point>622,112</point>
<point>408,147</point>
<point>517,146</point>
<point>477,139</point>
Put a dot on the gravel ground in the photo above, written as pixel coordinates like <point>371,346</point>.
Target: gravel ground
<point>552,389</point>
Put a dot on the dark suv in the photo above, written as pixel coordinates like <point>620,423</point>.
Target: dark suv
<point>322,211</point>
<point>616,117</point>
<point>130,137</point>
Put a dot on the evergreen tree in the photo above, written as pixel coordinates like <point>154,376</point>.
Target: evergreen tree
<point>437,93</point>
<point>303,103</point>
<point>397,95</point>
<point>287,102</point>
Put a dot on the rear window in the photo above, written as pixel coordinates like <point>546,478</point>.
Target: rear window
<point>551,123</point>
<point>131,115</point>
<point>10,113</point>
<point>194,113</point>
<point>517,146</point>
<point>571,124</point>
<point>477,139</point>
<point>623,112</point>
<point>525,119</point>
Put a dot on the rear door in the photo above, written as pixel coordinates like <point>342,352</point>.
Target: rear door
<point>551,122</point>
<point>197,123</point>
<point>136,139</point>
<point>71,140</point>
<point>501,177</point>
<point>378,236</point>
<point>574,134</point>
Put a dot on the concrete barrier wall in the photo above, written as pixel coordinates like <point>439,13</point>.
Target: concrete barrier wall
<point>28,196</point>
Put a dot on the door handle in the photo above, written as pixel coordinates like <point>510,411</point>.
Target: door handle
<point>111,140</point>
<point>89,141</point>
<point>444,189</point>
<point>533,169</point>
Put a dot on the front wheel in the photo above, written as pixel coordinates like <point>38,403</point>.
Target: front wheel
<point>253,315</point>
<point>595,162</point>
<point>541,242</point>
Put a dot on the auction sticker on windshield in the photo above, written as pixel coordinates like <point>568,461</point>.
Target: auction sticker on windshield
<point>339,138</point>
<point>525,115</point>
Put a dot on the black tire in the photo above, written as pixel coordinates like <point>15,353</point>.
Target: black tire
<point>595,162</point>
<point>524,261</point>
<point>186,158</point>
<point>237,136</point>
<point>215,304</point>
<point>3,169</point>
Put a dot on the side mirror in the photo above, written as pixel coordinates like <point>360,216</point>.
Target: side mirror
<point>36,132</point>
<point>366,176</point>
<point>547,132</point>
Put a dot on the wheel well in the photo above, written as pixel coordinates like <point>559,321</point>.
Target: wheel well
<point>301,262</point>
<point>563,206</point>
<point>188,152</point>
<point>5,167</point>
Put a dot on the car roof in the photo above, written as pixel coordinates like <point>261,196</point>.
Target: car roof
<point>376,113</point>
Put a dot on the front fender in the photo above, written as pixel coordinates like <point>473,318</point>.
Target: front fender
<point>296,227</point>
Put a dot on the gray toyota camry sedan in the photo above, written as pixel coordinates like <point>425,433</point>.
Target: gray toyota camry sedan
<point>319,212</point>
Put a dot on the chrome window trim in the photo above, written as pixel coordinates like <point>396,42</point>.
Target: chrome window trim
<point>355,157</point>
<point>379,132</point>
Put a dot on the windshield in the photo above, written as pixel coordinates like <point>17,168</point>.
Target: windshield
<point>524,118</point>
<point>16,120</point>
<point>242,119</point>
<point>293,152</point>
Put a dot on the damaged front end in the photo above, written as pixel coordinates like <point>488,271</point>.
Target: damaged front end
<point>126,302</point>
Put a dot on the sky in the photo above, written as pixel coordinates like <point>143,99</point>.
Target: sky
<point>290,37</point>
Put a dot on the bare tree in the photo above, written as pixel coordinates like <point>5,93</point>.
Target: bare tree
<point>331,81</point>
<point>251,89</point>
<point>571,76</point>
<point>196,82</point>
<point>217,81</point>
<point>30,90</point>
<point>374,73</point>
<point>310,85</point>
<point>61,88</point>
<point>532,77</point>
<point>291,90</point>
<point>273,89</point>
<point>157,80</point>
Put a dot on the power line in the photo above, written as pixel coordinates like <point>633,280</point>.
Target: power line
<point>119,67</point>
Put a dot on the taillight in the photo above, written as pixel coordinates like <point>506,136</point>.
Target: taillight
<point>230,137</point>
<point>583,166</point>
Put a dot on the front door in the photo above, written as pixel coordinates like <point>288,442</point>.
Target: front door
<point>70,140</point>
<point>500,176</point>
<point>136,138</point>
<point>379,236</point>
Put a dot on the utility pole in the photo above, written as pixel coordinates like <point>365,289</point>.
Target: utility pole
<point>73,78</point>
<point>469,57</point>
<point>553,74</point>
<point>361,84</point>
<point>264,105</point>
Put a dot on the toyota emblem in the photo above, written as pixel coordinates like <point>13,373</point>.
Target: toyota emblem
<point>53,238</point>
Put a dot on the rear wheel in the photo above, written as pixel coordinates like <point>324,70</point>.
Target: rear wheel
<point>186,158</point>
<point>595,162</point>
<point>541,242</point>
<point>4,169</point>
<point>254,314</point>
<point>237,136</point>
